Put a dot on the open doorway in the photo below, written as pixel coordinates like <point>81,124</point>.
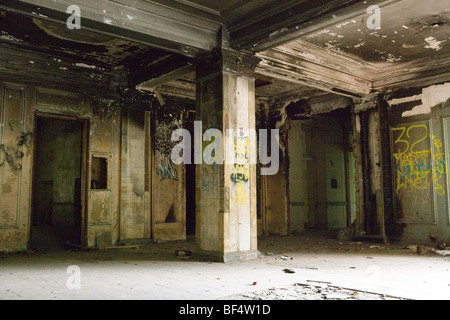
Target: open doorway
<point>56,217</point>
<point>322,173</point>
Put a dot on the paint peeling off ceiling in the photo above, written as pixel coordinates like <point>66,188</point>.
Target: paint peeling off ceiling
<point>80,45</point>
<point>424,32</point>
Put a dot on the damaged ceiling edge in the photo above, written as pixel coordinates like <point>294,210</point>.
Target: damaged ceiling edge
<point>431,97</point>
<point>298,78</point>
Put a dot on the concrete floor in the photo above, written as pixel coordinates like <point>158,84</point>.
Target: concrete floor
<point>154,272</point>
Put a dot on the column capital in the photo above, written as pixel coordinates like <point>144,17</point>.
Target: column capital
<point>227,60</point>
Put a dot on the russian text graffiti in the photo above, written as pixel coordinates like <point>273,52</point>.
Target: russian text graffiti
<point>419,169</point>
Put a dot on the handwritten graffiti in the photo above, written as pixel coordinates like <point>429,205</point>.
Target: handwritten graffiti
<point>240,176</point>
<point>165,168</point>
<point>419,169</point>
<point>241,170</point>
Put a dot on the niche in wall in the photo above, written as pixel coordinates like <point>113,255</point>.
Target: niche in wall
<point>99,173</point>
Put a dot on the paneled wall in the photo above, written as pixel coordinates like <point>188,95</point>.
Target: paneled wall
<point>168,180</point>
<point>16,134</point>
<point>153,199</point>
<point>19,105</point>
<point>420,146</point>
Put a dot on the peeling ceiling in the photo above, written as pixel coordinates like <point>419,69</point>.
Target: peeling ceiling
<point>83,46</point>
<point>340,56</point>
<point>409,30</point>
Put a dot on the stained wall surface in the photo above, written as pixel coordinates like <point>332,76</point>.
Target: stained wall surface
<point>420,137</point>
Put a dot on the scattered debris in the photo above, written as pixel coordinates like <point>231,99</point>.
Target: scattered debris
<point>286,258</point>
<point>288,271</point>
<point>255,283</point>
<point>184,254</point>
<point>301,291</point>
<point>442,252</point>
<point>311,268</point>
<point>346,234</point>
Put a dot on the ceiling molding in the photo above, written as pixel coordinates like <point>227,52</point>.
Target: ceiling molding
<point>304,63</point>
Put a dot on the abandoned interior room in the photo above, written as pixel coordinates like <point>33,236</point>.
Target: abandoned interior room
<point>91,93</point>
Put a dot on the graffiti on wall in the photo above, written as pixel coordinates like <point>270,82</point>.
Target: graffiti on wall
<point>419,168</point>
<point>165,168</point>
<point>240,177</point>
<point>241,169</point>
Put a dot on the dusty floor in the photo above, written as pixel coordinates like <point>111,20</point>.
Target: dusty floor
<point>304,267</point>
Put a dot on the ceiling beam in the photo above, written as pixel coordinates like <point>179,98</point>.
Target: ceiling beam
<point>145,22</point>
<point>168,77</point>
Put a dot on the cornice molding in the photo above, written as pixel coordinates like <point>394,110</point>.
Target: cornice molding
<point>226,60</point>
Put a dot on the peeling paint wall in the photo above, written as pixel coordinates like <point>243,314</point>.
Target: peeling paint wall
<point>274,188</point>
<point>153,202</point>
<point>420,136</point>
<point>169,196</point>
<point>15,167</point>
<point>144,195</point>
<point>135,198</point>
<point>18,107</point>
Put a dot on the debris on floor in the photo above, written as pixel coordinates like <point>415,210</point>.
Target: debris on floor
<point>288,271</point>
<point>311,268</point>
<point>184,254</point>
<point>421,250</point>
<point>346,234</point>
<point>442,252</point>
<point>311,291</point>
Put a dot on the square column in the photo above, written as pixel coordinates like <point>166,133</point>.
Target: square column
<point>226,192</point>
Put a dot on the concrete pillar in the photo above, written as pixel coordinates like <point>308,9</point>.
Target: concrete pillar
<point>226,223</point>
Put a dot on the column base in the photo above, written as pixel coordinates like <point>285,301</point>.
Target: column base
<point>227,257</point>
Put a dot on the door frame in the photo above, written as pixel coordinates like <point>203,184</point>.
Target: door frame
<point>84,167</point>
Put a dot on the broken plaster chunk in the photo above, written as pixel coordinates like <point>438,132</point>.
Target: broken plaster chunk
<point>442,252</point>
<point>288,271</point>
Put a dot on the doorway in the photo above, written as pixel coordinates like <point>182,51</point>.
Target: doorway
<point>57,210</point>
<point>321,175</point>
